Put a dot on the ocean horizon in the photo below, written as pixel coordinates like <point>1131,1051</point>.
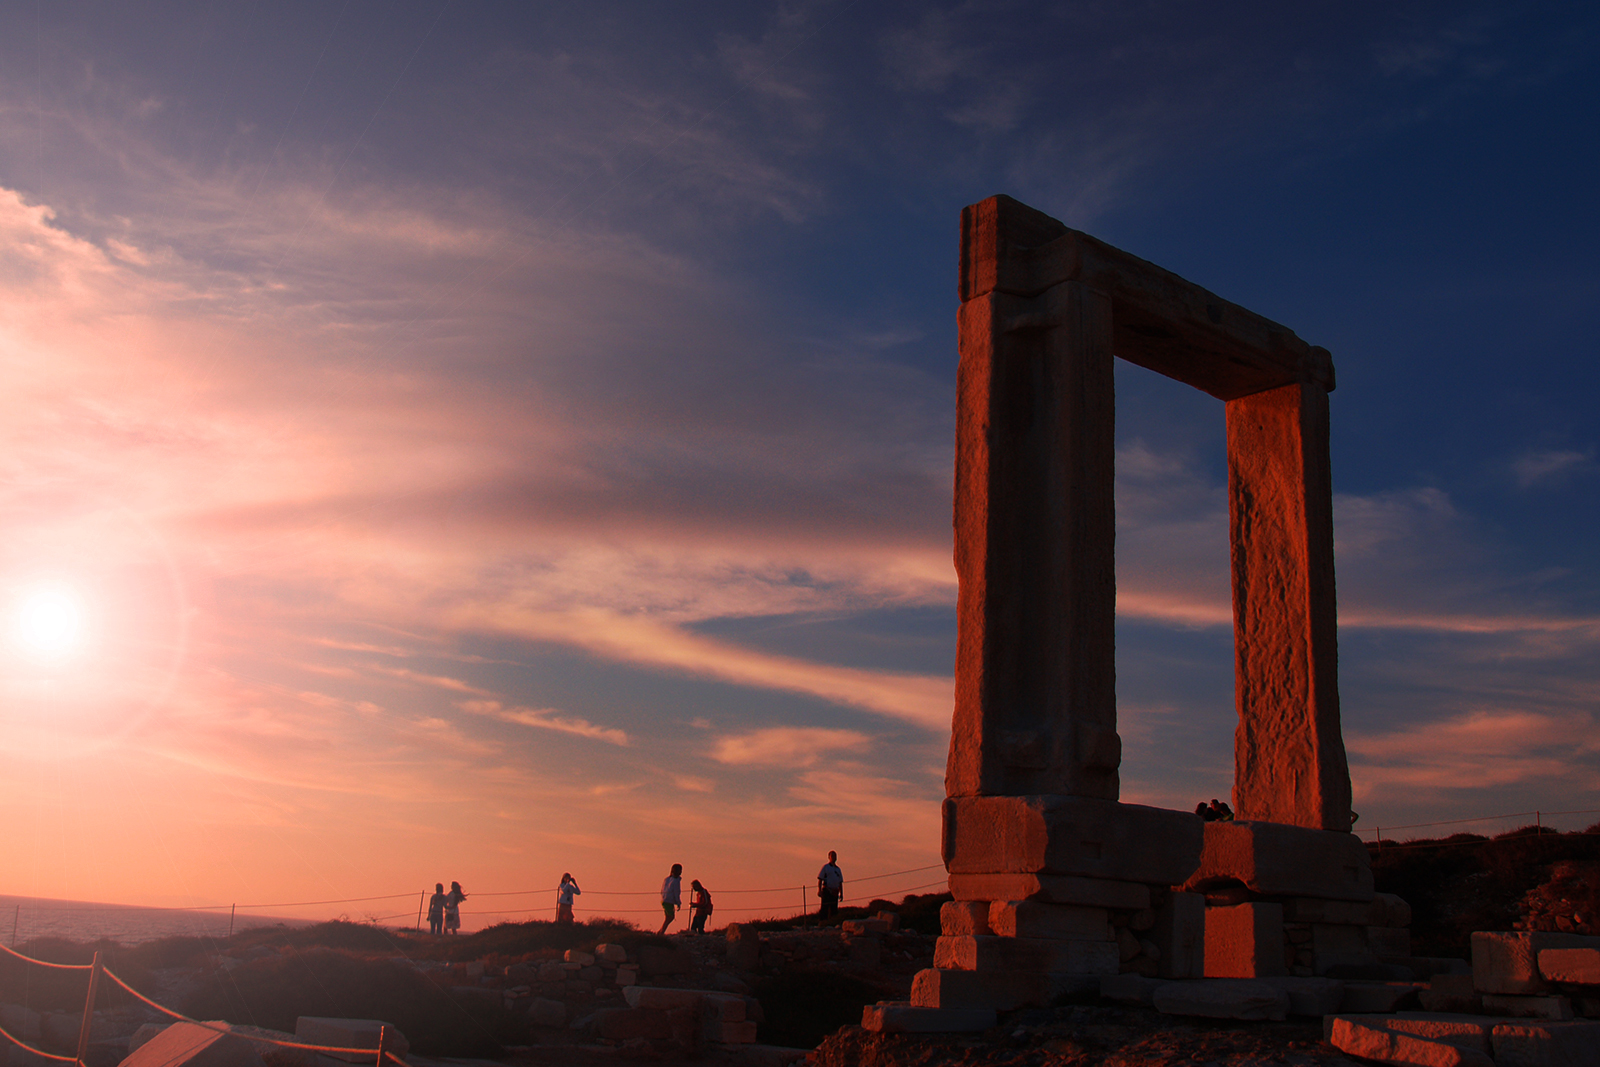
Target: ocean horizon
<point>23,919</point>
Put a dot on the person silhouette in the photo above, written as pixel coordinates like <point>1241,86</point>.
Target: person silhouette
<point>671,895</point>
<point>452,908</point>
<point>564,894</point>
<point>699,907</point>
<point>830,886</point>
<point>436,909</point>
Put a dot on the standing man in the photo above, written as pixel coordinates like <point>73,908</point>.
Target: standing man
<point>564,894</point>
<point>671,895</point>
<point>830,886</point>
<point>436,909</point>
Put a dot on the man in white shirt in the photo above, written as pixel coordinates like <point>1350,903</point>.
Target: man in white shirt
<point>671,895</point>
<point>830,886</point>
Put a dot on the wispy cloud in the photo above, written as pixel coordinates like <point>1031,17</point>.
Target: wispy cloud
<point>786,746</point>
<point>1551,466</point>
<point>545,719</point>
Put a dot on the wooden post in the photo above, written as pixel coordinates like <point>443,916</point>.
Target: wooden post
<point>232,908</point>
<point>422,896</point>
<point>383,1042</point>
<point>88,1012</point>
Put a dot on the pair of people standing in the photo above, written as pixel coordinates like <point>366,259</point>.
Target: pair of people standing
<point>444,909</point>
<point>672,900</point>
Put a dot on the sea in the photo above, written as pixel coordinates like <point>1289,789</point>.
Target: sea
<point>25,918</point>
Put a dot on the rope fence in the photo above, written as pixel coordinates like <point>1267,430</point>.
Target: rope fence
<point>1538,816</point>
<point>381,1055</point>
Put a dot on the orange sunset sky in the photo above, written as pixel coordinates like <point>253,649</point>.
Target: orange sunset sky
<point>482,441</point>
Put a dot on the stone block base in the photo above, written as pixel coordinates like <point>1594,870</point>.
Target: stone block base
<point>1026,954</point>
<point>1036,918</point>
<point>1245,941</point>
<point>996,990</point>
<point>896,1017</point>
<point>1084,836</point>
<point>1508,962</point>
<point>1276,860</point>
<point>1179,934</point>
<point>1222,1000</point>
<point>1564,1044</point>
<point>1578,966</point>
<point>1372,1039</point>
<point>1052,888</point>
<point>1558,1008</point>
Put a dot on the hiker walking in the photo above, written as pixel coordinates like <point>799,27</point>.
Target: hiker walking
<point>564,894</point>
<point>671,895</point>
<point>699,907</point>
<point>830,886</point>
<point>452,908</point>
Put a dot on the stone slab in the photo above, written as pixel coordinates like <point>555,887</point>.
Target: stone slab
<point>732,1033</point>
<point>1245,941</point>
<point>1311,997</point>
<point>1528,1007</point>
<point>1054,888</point>
<point>1037,918</point>
<point>1179,934</point>
<point>895,1017</point>
<point>1130,989</point>
<point>1026,954</point>
<point>1388,941</point>
<point>1319,910</point>
<point>1371,1040</point>
<point>1467,1031</point>
<point>351,1033</point>
<point>998,990</point>
<point>1547,1044</point>
<point>1334,945</point>
<point>1578,966</point>
<point>1377,997</point>
<point>1276,860</point>
<point>188,1045</point>
<point>1083,836</point>
<point>1222,999</point>
<point>1507,961</point>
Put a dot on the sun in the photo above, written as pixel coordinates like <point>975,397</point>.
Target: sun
<point>48,622</point>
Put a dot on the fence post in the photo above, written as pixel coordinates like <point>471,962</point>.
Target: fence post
<point>88,1012</point>
<point>232,908</point>
<point>420,898</point>
<point>383,1041</point>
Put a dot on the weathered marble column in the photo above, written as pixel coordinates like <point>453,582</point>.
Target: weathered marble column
<point>1289,759</point>
<point>1035,528</point>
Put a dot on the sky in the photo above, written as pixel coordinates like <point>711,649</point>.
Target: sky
<point>476,441</point>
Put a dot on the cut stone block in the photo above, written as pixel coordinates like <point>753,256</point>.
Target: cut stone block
<point>1054,888</point>
<point>1083,836</point>
<point>1277,860</point>
<point>352,1033</point>
<point>1579,966</point>
<point>1377,997</point>
<point>1389,941</point>
<point>1222,999</point>
<point>1312,997</point>
<point>1179,935</point>
<point>895,1017</point>
<point>1000,991</point>
<point>189,1045</point>
<point>1244,941</point>
<point>1339,946</point>
<point>1317,910</point>
<point>964,918</point>
<point>631,1024</point>
<point>611,953</point>
<point>1129,988</point>
<point>890,917</point>
<point>731,1033</point>
<point>1451,993</point>
<point>1550,1044</point>
<point>581,958</point>
<point>1467,1031</point>
<point>1527,1007</point>
<point>645,996</point>
<point>1372,1040</point>
<point>1036,918</point>
<point>1026,954</point>
<point>1507,961</point>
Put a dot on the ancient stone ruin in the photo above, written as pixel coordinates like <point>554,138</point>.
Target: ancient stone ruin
<point>1056,882</point>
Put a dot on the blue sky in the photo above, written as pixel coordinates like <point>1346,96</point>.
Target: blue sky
<point>485,440</point>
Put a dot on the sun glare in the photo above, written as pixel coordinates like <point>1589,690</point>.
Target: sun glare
<point>48,622</point>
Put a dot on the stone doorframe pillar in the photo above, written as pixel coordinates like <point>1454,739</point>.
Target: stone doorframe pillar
<point>1044,309</point>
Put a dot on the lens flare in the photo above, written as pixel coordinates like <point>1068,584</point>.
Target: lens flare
<point>48,622</point>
